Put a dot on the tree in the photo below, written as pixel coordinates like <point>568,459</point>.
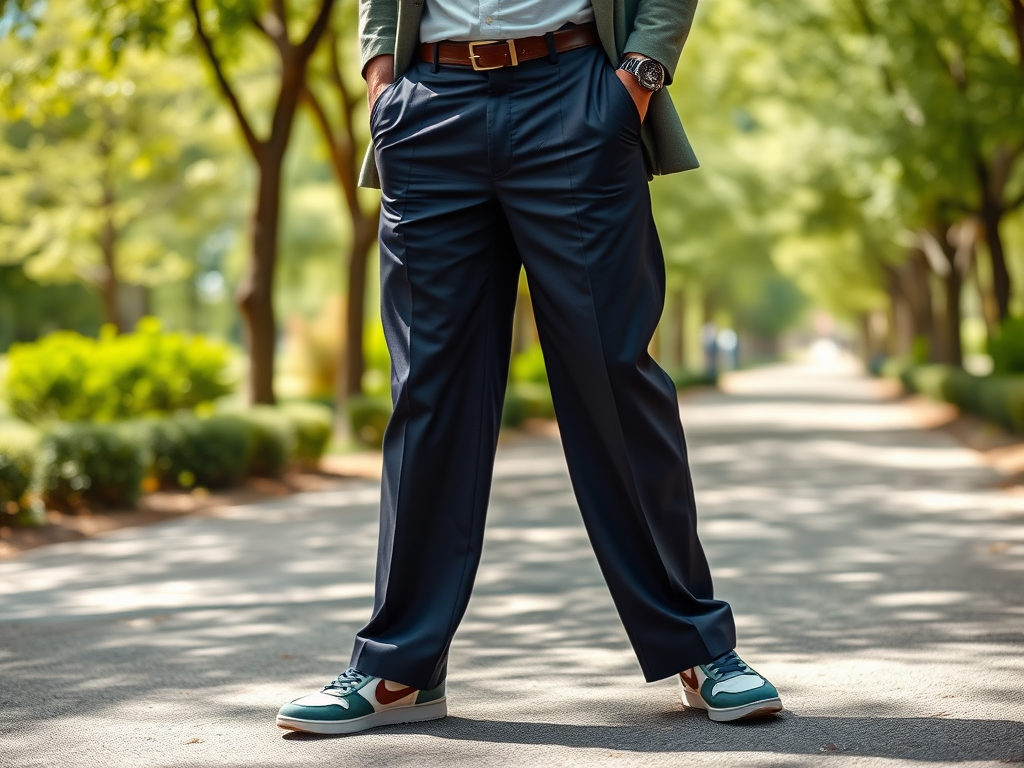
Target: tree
<point>949,64</point>
<point>95,151</point>
<point>225,23</point>
<point>345,153</point>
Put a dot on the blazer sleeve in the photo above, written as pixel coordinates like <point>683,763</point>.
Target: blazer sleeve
<point>659,31</point>
<point>378,28</point>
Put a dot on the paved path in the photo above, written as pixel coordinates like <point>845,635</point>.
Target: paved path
<point>877,573</point>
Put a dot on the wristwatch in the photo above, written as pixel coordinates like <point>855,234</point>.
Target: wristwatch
<point>649,73</point>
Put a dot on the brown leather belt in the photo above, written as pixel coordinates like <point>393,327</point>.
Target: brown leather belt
<point>495,54</point>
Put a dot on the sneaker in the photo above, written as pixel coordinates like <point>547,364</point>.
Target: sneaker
<point>729,690</point>
<point>354,702</point>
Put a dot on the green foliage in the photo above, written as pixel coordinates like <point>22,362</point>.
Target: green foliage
<point>369,416</point>
<point>69,377</point>
<point>189,451</point>
<point>17,459</point>
<point>526,400</point>
<point>996,398</point>
<point>272,440</point>
<point>108,150</point>
<point>312,425</point>
<point>1007,347</point>
<point>685,379</point>
<point>513,409</point>
<point>28,309</point>
<point>528,366</point>
<point>82,465</point>
<point>528,395</point>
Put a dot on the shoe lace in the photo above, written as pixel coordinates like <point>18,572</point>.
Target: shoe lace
<point>727,665</point>
<point>344,683</point>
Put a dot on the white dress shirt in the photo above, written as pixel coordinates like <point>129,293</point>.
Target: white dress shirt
<point>498,19</point>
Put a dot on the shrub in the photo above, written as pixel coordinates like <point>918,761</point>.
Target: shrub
<point>79,464</point>
<point>513,410</point>
<point>312,425</point>
<point>271,440</point>
<point>528,366</point>
<point>684,379</point>
<point>996,398</point>
<point>536,399</point>
<point>929,380</point>
<point>17,458</point>
<point>189,451</point>
<point>369,417</point>
<point>1007,347</point>
<point>894,367</point>
<point>70,377</point>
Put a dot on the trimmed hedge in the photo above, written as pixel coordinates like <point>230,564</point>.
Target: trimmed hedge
<point>189,451</point>
<point>997,398</point>
<point>1007,347</point>
<point>17,452</point>
<point>81,464</point>
<point>271,440</point>
<point>69,377</point>
<point>526,400</point>
<point>313,425</point>
<point>370,417</point>
<point>78,464</point>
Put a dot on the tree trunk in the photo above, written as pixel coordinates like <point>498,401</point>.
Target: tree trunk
<point>255,295</point>
<point>679,327</point>
<point>918,288</point>
<point>989,312</point>
<point>952,346</point>
<point>901,325</point>
<point>1017,21</point>
<point>866,337</point>
<point>108,247</point>
<point>991,214</point>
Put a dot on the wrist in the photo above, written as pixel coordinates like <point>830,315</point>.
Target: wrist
<point>649,74</point>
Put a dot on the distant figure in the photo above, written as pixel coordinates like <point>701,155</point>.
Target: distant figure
<point>709,343</point>
<point>729,343</point>
<point>506,135</point>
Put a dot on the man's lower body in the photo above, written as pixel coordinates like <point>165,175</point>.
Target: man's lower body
<point>537,166</point>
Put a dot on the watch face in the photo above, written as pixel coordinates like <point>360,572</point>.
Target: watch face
<point>650,74</point>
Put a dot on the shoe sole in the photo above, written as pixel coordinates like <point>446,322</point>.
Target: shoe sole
<point>729,714</point>
<point>410,713</point>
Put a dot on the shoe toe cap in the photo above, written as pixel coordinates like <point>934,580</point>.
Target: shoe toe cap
<point>324,708</point>
<point>743,695</point>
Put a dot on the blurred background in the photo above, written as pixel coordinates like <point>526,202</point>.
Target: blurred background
<point>181,234</point>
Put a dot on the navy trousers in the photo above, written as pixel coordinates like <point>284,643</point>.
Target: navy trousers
<point>485,173</point>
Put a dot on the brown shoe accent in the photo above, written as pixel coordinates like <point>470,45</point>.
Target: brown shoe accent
<point>689,678</point>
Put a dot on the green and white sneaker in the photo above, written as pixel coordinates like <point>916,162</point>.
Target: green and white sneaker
<point>729,690</point>
<point>354,702</point>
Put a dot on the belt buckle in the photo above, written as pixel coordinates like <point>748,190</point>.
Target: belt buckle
<point>473,56</point>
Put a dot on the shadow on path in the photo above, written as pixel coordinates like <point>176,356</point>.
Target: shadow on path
<point>900,738</point>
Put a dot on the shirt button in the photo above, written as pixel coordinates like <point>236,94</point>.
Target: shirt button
<point>488,20</point>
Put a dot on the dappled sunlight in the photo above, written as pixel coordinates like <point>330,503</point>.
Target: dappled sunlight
<point>874,572</point>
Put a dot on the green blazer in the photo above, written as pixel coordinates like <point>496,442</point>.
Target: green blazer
<point>654,28</point>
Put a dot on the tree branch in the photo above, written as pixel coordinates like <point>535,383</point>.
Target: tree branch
<point>1017,12</point>
<point>871,27</point>
<point>282,16</point>
<point>316,31</point>
<point>273,30</point>
<point>255,145</point>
